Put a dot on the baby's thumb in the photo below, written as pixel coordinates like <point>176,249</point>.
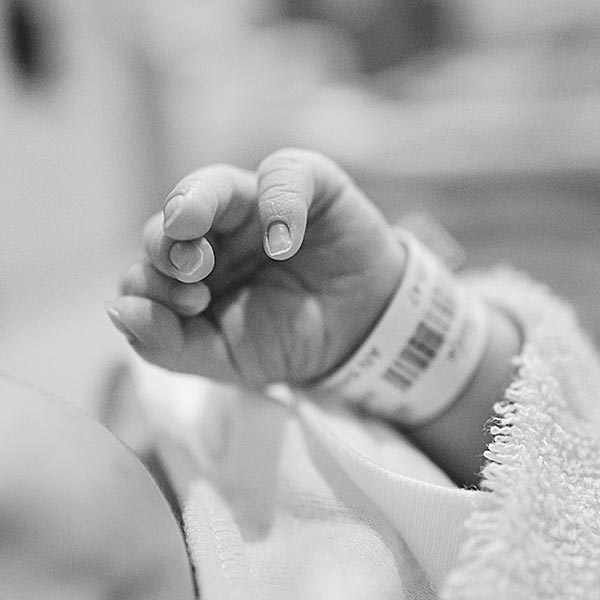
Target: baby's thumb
<point>286,188</point>
<point>292,183</point>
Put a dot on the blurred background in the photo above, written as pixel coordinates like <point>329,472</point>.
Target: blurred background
<point>483,113</point>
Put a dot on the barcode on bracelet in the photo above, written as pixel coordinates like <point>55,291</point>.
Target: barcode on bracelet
<point>426,341</point>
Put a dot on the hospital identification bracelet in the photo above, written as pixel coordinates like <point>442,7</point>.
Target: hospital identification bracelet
<point>423,351</point>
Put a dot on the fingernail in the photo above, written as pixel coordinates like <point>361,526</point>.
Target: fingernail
<point>115,317</point>
<point>278,239</point>
<point>186,257</point>
<point>172,210</point>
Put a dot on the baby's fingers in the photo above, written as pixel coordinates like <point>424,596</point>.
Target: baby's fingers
<point>146,324</point>
<point>158,335</point>
<point>186,299</point>
<point>223,199</point>
<point>219,198</point>
<point>187,261</point>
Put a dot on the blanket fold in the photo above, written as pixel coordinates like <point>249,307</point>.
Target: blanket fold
<point>284,500</point>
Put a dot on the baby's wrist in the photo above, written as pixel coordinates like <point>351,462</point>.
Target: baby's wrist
<point>422,352</point>
<point>458,437</point>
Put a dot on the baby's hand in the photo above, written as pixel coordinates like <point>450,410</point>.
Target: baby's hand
<point>260,277</point>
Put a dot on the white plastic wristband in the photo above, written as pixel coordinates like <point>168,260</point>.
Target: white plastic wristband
<point>423,351</point>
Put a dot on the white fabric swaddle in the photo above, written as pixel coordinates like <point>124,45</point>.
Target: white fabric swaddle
<point>284,500</point>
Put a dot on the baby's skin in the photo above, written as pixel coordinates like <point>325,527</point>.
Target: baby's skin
<point>260,277</point>
<point>278,275</point>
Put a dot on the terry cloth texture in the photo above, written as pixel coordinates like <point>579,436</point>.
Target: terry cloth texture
<point>284,500</point>
<point>536,534</point>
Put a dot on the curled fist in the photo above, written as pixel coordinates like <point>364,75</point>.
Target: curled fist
<point>258,277</point>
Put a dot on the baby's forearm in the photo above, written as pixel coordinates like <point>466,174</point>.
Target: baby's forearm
<point>457,438</point>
